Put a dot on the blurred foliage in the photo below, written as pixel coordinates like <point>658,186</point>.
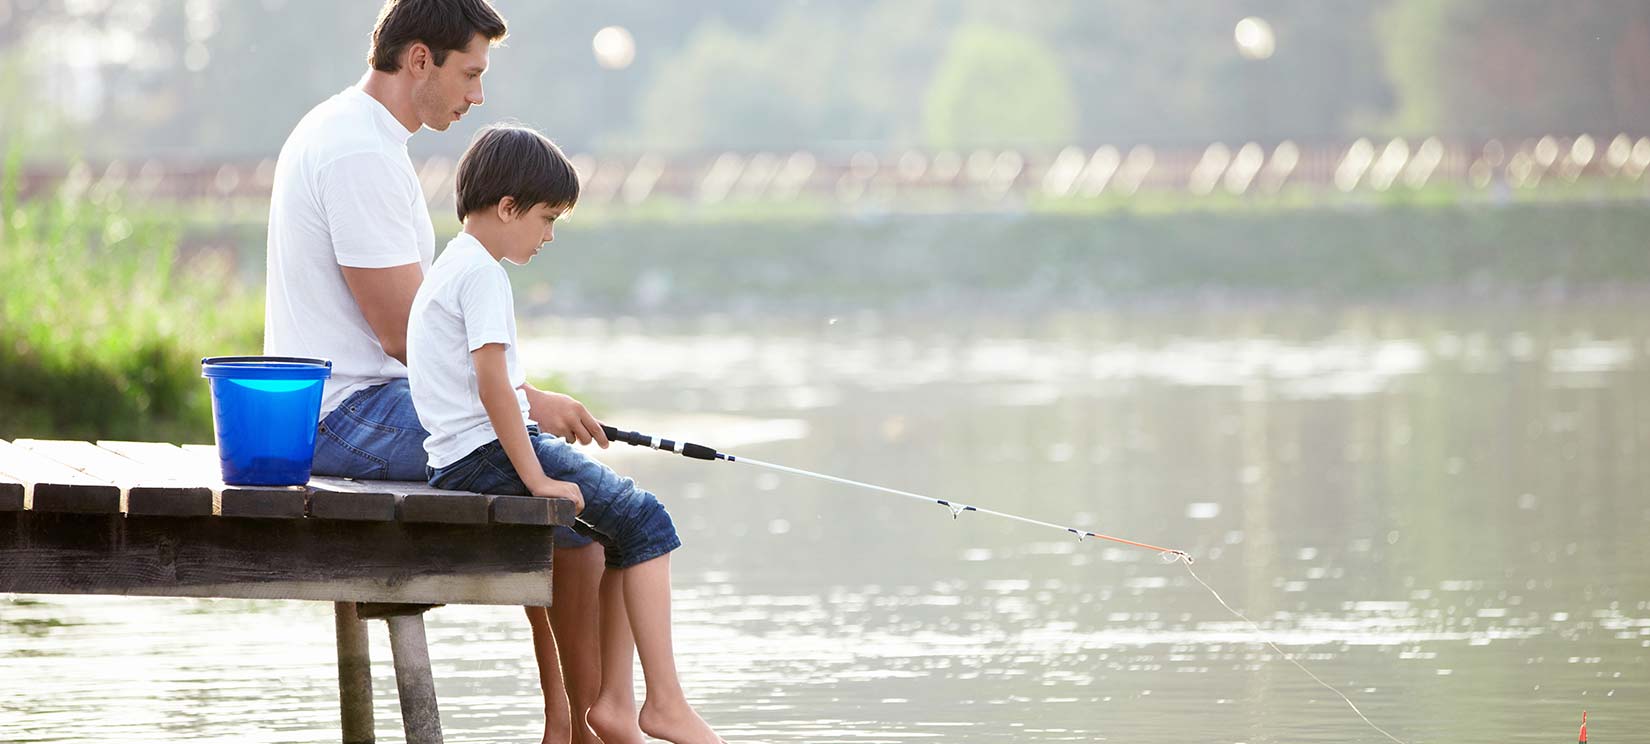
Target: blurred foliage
<point>1517,67</point>
<point>999,87</point>
<point>215,78</point>
<point>728,90</point>
<point>102,327</point>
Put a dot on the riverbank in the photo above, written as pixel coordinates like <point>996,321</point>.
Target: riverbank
<point>1032,262</point>
<point>109,306</point>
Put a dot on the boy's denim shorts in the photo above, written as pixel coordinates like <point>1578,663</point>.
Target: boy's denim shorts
<point>375,435</point>
<point>629,522</point>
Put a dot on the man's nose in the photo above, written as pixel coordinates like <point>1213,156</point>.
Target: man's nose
<point>474,96</point>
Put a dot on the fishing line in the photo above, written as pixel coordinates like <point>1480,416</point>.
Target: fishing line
<point>1261,634</point>
<point>701,452</point>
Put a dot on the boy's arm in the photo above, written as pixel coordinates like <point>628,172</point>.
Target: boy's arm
<point>561,416</point>
<point>499,400</point>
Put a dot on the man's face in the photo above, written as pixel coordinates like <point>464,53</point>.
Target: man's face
<point>446,92</point>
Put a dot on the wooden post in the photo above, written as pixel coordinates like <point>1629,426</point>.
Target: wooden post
<point>354,676</point>
<point>419,715</point>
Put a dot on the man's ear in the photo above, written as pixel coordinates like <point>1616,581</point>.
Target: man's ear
<point>418,59</point>
<point>507,210</point>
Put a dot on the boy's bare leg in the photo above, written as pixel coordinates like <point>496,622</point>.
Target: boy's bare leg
<point>574,613</point>
<point>666,714</point>
<point>556,717</point>
<point>614,714</point>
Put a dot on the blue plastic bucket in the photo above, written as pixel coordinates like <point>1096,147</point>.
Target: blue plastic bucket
<point>265,411</point>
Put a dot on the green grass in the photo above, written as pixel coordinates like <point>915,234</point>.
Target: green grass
<point>102,327</point>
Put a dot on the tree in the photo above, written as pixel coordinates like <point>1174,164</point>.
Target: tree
<point>1518,67</point>
<point>998,87</point>
<point>840,75</point>
<point>1169,73</point>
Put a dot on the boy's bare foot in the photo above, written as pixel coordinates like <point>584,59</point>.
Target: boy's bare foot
<point>615,721</point>
<point>676,723</point>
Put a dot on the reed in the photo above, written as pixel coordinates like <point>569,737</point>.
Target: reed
<point>103,325</point>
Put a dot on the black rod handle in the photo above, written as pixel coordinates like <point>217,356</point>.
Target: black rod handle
<point>628,437</point>
<point>685,449</point>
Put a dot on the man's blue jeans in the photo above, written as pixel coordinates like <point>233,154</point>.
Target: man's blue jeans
<point>374,434</point>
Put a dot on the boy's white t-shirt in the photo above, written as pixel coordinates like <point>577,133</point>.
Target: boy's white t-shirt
<point>465,303</point>
<point>345,194</point>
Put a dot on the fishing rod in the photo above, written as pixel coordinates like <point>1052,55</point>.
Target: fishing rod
<point>701,452</point>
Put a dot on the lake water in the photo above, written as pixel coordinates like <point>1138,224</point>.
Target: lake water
<point>1441,512</point>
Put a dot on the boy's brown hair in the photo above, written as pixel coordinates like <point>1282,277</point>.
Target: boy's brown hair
<point>443,25</point>
<point>514,161</point>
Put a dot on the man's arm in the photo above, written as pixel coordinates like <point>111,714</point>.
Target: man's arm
<point>499,400</point>
<point>375,239</point>
<point>385,297</point>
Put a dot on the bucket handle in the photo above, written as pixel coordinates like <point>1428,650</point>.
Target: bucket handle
<point>277,359</point>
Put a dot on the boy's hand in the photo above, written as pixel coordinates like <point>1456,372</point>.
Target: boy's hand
<point>561,416</point>
<point>552,488</point>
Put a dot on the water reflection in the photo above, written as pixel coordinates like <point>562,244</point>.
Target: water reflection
<point>1440,514</point>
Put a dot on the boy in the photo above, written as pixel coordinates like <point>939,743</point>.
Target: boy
<point>467,386</point>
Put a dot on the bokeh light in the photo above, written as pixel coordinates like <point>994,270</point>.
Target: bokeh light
<point>615,48</point>
<point>1254,38</point>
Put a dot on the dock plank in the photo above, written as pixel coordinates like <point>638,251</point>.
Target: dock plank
<point>148,491</point>
<point>532,510</point>
<point>11,494</point>
<point>53,487</point>
<point>169,458</point>
<point>258,502</point>
<point>502,509</point>
<point>342,498</point>
<point>446,507</point>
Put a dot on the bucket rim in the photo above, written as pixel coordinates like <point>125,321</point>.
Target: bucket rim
<point>266,367</point>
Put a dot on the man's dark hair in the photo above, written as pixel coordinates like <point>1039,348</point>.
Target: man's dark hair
<point>517,162</point>
<point>443,25</point>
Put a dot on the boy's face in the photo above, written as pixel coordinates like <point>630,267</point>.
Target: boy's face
<point>525,233</point>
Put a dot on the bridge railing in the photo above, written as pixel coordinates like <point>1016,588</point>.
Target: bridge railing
<point>954,178</point>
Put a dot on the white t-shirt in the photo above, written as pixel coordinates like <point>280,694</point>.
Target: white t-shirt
<point>464,304</point>
<point>345,194</point>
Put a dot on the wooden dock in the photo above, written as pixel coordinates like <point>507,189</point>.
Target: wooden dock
<point>154,519</point>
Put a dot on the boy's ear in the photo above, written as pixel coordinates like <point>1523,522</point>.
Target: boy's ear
<point>507,209</point>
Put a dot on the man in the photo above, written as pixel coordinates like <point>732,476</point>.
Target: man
<point>349,240</point>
